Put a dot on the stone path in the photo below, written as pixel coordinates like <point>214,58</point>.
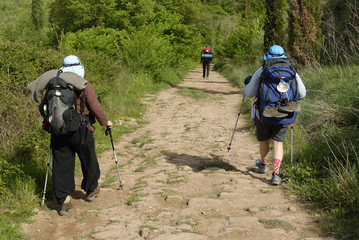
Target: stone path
<point>180,183</point>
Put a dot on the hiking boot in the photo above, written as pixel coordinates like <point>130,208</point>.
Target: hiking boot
<point>261,167</point>
<point>66,206</point>
<point>92,195</point>
<point>290,107</point>
<point>273,112</point>
<point>275,179</point>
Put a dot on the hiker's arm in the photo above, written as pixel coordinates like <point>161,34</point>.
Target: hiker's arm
<point>301,88</point>
<point>95,107</point>
<point>251,89</point>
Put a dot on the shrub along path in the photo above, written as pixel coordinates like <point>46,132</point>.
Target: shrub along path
<point>179,181</point>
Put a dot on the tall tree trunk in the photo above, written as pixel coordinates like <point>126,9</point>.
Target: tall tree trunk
<point>274,23</point>
<point>304,19</point>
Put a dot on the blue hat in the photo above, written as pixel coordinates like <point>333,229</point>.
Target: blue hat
<point>73,64</point>
<point>275,51</point>
<point>207,45</point>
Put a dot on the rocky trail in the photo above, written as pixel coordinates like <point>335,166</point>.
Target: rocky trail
<point>179,181</point>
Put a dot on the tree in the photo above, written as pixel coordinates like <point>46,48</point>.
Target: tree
<point>274,23</point>
<point>304,19</point>
<point>37,13</point>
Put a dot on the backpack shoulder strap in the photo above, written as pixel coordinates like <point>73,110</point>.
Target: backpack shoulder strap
<point>82,108</point>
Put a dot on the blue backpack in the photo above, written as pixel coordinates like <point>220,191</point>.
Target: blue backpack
<point>277,94</point>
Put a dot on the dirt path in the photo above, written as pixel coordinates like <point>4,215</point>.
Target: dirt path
<point>176,183</point>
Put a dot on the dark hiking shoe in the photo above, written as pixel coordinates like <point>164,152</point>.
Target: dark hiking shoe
<point>275,179</point>
<point>273,112</point>
<point>261,167</point>
<point>92,195</point>
<point>65,208</point>
<point>290,107</point>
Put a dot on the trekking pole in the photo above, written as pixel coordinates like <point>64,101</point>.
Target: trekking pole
<point>47,174</point>
<point>291,144</point>
<point>108,131</point>
<point>235,126</point>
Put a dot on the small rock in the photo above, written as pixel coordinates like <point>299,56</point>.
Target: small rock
<point>144,232</point>
<point>276,231</point>
<point>184,227</point>
<point>253,209</point>
<point>274,213</point>
<point>175,199</point>
<point>292,209</point>
<point>187,168</point>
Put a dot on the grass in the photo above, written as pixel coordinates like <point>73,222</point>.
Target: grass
<point>142,140</point>
<point>174,178</point>
<point>276,223</point>
<point>192,93</point>
<point>147,163</point>
<point>109,180</point>
<point>136,197</point>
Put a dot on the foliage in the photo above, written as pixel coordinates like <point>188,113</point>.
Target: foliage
<point>274,24</point>
<point>74,15</point>
<point>304,18</point>
<point>243,44</point>
<point>37,13</point>
<point>146,51</point>
<point>95,39</point>
<point>340,31</point>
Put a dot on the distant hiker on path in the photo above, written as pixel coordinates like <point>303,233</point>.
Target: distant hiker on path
<point>79,139</point>
<point>206,58</point>
<point>277,88</point>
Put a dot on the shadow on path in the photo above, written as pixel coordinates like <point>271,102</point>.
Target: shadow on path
<point>209,91</point>
<point>198,163</point>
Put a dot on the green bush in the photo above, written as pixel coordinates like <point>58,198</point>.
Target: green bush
<point>145,51</point>
<point>96,39</point>
<point>243,45</point>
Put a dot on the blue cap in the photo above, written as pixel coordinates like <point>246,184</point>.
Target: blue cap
<point>73,64</point>
<point>207,45</point>
<point>275,51</point>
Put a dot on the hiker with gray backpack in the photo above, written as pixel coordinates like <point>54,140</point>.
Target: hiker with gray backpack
<point>277,88</point>
<point>69,108</point>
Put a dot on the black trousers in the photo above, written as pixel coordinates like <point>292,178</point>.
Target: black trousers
<point>206,66</point>
<point>63,151</point>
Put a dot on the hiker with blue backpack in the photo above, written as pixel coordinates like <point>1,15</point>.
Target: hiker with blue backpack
<point>206,58</point>
<point>277,88</point>
<point>69,108</point>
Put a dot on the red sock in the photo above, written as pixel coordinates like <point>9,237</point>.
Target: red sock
<point>264,161</point>
<point>277,164</point>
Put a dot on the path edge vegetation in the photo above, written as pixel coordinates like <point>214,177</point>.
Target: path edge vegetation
<point>35,36</point>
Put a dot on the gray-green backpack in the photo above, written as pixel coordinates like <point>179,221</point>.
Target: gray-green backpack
<point>60,111</point>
